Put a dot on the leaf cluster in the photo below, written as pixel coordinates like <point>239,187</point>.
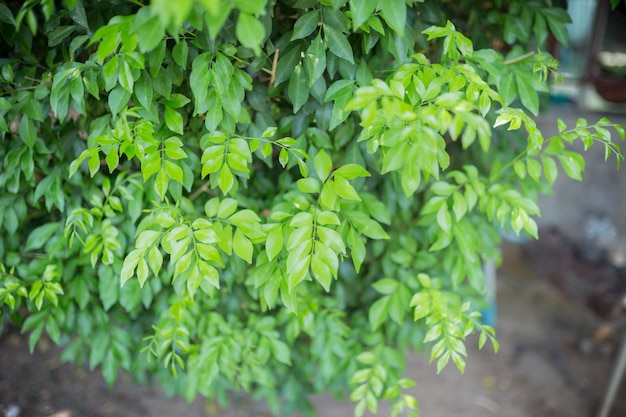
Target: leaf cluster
<point>274,196</point>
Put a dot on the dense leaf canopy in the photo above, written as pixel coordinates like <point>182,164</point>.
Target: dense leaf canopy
<point>291,193</point>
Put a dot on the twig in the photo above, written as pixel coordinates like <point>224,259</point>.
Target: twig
<point>519,58</point>
<point>274,65</point>
<point>203,188</point>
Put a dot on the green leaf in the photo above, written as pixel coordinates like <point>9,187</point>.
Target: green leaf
<point>338,43</point>
<point>351,171</point>
<point>149,29</point>
<point>306,24</point>
<point>286,64</point>
<point>362,10</point>
<point>308,185</point>
<point>173,120</point>
<point>411,179</point>
<point>283,156</point>
<point>161,183</point>
<point>118,98</point>
<point>508,88</point>
<point>322,164</point>
<point>40,235</point>
<point>394,13</point>
<point>274,242</point>
<point>281,352</point>
<point>298,90</point>
<point>315,60</point>
<point>321,272</point>
<point>541,30</point>
<point>27,131</point>
<point>125,77</point>
<point>378,312</point>
<point>367,226</point>
<point>444,219</point>
<point>549,168</point>
<point>250,32</point>
<point>180,53</point>
<point>6,16</point>
<point>344,189</point>
<point>59,34</point>
<point>242,246</point>
<point>573,164</point>
<point>557,18</point>
<point>225,180</point>
<point>527,93</point>
<point>386,286</point>
<point>226,208</point>
<point>112,159</point>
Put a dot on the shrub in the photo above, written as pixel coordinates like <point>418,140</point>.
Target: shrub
<point>292,193</point>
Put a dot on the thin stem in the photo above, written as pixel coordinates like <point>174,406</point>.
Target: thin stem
<point>274,65</point>
<point>495,176</point>
<point>519,58</point>
<point>203,188</point>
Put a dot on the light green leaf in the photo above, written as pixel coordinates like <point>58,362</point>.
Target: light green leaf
<point>444,219</point>
<point>118,98</point>
<point>361,11</point>
<point>180,53</point>
<point>274,242</point>
<point>250,32</point>
<point>225,180</point>
<point>242,246</point>
<point>149,29</point>
<point>173,120</point>
<point>161,183</point>
<point>344,189</point>
<point>322,164</point>
<point>308,185</point>
<point>394,13</point>
<point>351,171</point>
<point>527,92</point>
<point>573,164</point>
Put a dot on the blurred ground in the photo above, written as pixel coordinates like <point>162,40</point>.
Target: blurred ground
<point>548,364</point>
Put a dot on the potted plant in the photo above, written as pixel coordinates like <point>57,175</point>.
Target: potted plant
<point>609,76</point>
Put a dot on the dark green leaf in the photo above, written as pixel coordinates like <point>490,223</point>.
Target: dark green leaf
<point>315,60</point>
<point>338,43</point>
<point>27,131</point>
<point>6,16</point>
<point>298,90</point>
<point>286,64</point>
<point>118,99</point>
<point>40,235</point>
<point>305,25</point>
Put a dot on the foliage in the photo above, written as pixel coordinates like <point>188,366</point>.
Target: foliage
<point>292,193</point>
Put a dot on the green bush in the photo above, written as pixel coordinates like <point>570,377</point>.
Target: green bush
<point>292,193</point>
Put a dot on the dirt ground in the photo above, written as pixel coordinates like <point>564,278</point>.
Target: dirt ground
<point>548,364</point>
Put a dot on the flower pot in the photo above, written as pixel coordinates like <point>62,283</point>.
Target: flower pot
<point>609,78</point>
